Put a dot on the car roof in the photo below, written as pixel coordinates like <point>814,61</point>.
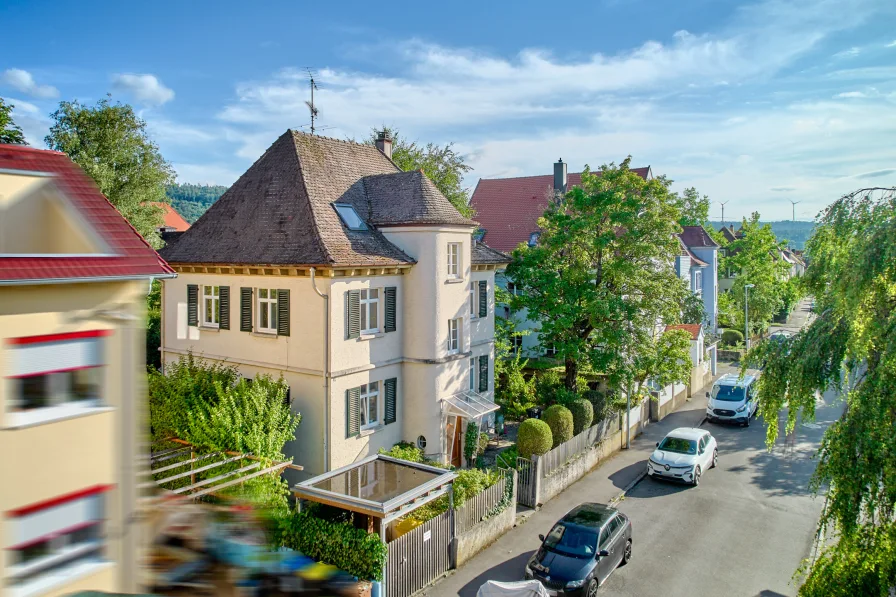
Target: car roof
<point>589,515</point>
<point>687,433</point>
<point>734,379</point>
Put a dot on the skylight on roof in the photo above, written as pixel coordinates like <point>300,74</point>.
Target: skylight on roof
<point>350,217</point>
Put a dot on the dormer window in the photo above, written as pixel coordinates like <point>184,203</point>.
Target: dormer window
<point>533,238</point>
<point>349,217</point>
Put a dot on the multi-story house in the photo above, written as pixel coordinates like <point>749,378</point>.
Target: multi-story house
<point>698,264</point>
<point>358,283</point>
<point>73,282</point>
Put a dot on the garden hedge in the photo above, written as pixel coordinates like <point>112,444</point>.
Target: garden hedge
<point>582,415</point>
<point>732,337</point>
<point>534,437</point>
<point>559,419</point>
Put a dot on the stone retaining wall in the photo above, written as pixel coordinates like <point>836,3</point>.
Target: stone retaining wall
<point>486,532</point>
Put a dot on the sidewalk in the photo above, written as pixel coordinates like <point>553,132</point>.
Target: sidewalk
<point>506,558</point>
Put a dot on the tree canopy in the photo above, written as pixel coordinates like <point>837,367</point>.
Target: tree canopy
<point>441,164</point>
<point>192,200</point>
<point>694,208</point>
<point>600,277</point>
<point>110,142</point>
<point>849,348</point>
<point>10,132</point>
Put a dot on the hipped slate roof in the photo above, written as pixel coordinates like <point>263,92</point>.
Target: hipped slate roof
<point>694,259</point>
<point>697,236</point>
<point>280,212</point>
<point>131,257</point>
<point>485,254</point>
<point>508,208</point>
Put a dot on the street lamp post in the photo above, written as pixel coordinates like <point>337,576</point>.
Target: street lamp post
<point>747,288</point>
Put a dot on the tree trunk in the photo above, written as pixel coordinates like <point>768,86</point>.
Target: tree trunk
<point>572,372</point>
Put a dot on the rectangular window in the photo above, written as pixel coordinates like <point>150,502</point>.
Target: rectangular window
<point>473,310</point>
<point>267,310</point>
<point>211,296</point>
<point>453,260</point>
<point>370,304</point>
<point>454,335</point>
<point>517,342</point>
<point>698,282</point>
<point>370,414</point>
<point>472,374</point>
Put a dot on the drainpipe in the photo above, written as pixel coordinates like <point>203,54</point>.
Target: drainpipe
<point>326,298</point>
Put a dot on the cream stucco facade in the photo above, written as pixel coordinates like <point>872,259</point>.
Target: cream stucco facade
<point>321,363</point>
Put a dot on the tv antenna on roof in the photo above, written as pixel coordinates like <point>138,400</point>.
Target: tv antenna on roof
<point>722,203</point>
<point>314,111</point>
<point>793,217</point>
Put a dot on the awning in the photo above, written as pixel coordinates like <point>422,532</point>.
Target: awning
<point>469,404</point>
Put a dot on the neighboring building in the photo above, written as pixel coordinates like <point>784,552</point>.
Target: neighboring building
<point>73,280</point>
<point>360,284</point>
<point>698,263</point>
<point>701,366</point>
<point>173,222</point>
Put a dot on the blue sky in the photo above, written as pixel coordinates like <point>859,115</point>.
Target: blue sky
<point>755,103</point>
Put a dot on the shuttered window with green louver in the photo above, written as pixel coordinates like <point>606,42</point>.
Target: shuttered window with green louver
<point>224,308</point>
<point>391,387</point>
<point>483,298</point>
<point>352,412</point>
<point>245,309</point>
<point>192,304</point>
<point>282,312</point>
<point>352,314</point>
<point>483,373</point>
<point>390,294</point>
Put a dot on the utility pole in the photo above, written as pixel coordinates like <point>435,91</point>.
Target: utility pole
<point>722,203</point>
<point>793,217</point>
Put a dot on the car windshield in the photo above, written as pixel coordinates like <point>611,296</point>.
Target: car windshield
<point>572,540</point>
<point>679,445</point>
<point>728,393</point>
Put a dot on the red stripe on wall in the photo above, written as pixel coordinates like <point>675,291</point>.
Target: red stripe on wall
<point>54,534</point>
<point>58,337</point>
<point>61,499</point>
<point>53,371</point>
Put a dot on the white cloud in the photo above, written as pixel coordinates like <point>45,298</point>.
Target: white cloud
<point>32,120</point>
<point>23,81</point>
<point>851,94</point>
<point>848,53</point>
<point>892,44</point>
<point>145,88</point>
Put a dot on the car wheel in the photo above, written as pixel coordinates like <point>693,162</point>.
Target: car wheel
<point>697,476</point>
<point>747,421</point>
<point>715,459</point>
<point>592,588</point>
<point>627,554</point>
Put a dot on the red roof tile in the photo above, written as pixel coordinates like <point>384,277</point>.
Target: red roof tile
<point>692,328</point>
<point>508,208</point>
<point>133,257</point>
<point>172,218</point>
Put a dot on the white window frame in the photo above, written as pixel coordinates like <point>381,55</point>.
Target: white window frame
<point>364,403</point>
<point>454,330</point>
<point>698,282</point>
<point>473,369</point>
<point>453,261</point>
<point>270,305</point>
<point>368,306</point>
<point>214,297</point>
<point>474,310</point>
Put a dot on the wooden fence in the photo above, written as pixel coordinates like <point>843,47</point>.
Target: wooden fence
<point>526,492</point>
<point>559,456</point>
<point>419,557</point>
<point>475,509</point>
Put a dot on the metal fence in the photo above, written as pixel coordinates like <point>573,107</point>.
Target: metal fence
<point>419,557</point>
<point>526,482</point>
<point>559,456</point>
<point>475,509</point>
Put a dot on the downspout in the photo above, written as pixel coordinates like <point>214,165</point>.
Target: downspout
<point>327,430</point>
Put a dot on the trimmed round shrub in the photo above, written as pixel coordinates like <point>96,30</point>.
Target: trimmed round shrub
<point>732,337</point>
<point>534,437</point>
<point>582,415</point>
<point>559,419</point>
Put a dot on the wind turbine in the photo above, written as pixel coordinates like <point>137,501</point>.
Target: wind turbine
<point>793,218</point>
<point>722,203</point>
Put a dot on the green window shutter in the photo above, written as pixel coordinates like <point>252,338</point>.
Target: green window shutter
<point>282,312</point>
<point>245,309</point>
<point>352,314</point>
<point>390,400</point>
<point>483,373</point>
<point>192,304</point>
<point>390,309</point>
<point>352,412</point>
<point>224,307</point>
<point>483,298</point>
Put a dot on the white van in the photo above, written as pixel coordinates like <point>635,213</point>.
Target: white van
<point>733,399</point>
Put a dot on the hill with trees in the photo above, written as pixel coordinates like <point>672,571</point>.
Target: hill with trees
<point>795,232</point>
<point>191,200</point>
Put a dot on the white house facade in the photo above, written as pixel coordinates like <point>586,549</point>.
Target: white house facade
<point>360,284</point>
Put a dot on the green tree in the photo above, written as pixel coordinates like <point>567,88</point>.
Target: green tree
<point>754,258</point>
<point>692,310</point>
<point>111,144</point>
<point>848,348</point>
<point>661,358</point>
<point>602,260</point>
<point>10,132</point>
<point>694,208</point>
<point>441,164</point>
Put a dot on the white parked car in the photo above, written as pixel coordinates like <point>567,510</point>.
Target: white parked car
<point>683,455</point>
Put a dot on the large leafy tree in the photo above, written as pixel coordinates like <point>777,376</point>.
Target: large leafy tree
<point>754,258</point>
<point>850,348</point>
<point>601,272</point>
<point>441,164</point>
<point>10,132</point>
<point>111,144</point>
<point>694,208</point>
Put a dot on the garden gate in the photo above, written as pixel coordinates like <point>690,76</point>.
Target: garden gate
<point>420,556</point>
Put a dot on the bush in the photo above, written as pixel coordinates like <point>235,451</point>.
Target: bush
<point>339,544</point>
<point>559,419</point>
<point>534,437</point>
<point>582,415</point>
<point>405,451</point>
<point>507,457</point>
<point>732,338</point>
<point>483,442</point>
<point>546,386</point>
<point>468,484</point>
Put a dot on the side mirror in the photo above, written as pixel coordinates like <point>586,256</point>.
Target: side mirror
<point>707,395</point>
<point>603,553</point>
<point>541,537</point>
<point>657,444</point>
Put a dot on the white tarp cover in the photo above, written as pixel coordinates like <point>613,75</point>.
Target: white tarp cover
<point>523,588</point>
